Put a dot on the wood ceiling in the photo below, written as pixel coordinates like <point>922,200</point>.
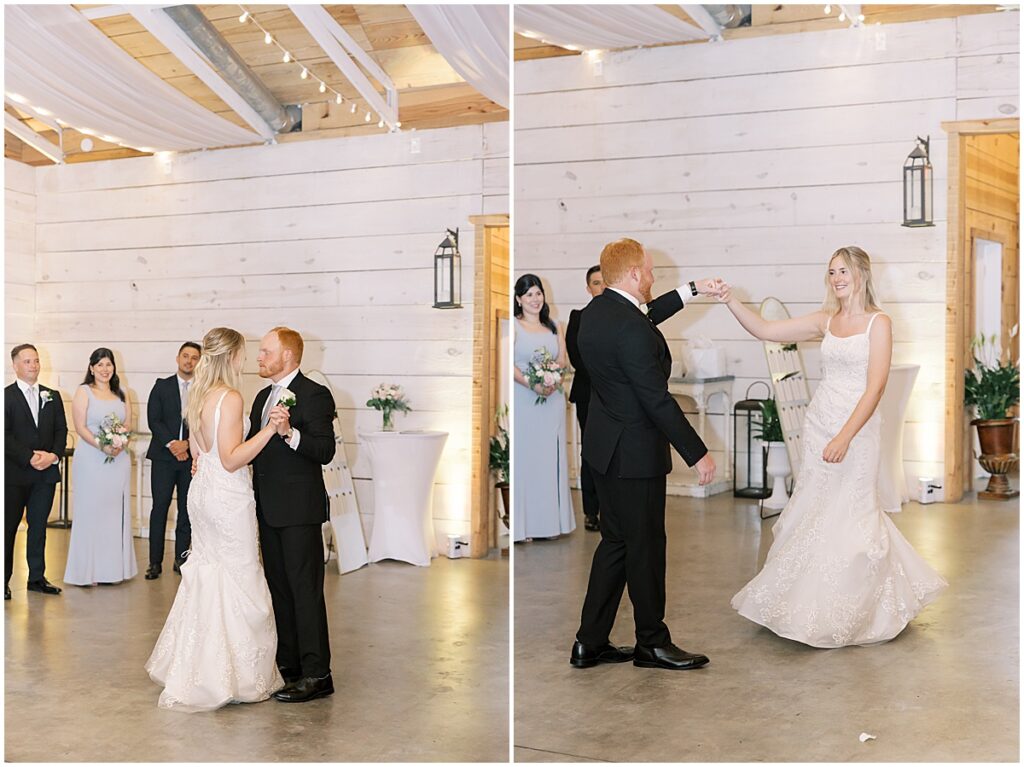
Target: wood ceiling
<point>430,93</point>
<point>781,20</point>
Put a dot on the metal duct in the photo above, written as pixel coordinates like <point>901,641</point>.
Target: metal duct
<point>729,16</point>
<point>232,68</point>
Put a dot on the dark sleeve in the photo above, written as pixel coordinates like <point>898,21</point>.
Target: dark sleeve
<point>639,353</point>
<point>663,307</point>
<point>60,428</point>
<point>254,422</point>
<point>571,332</point>
<point>155,414</point>
<point>317,440</point>
<point>14,449</point>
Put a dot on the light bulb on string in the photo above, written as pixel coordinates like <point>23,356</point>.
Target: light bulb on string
<point>338,99</point>
<point>353,109</point>
<point>842,16</point>
<point>828,10</point>
<point>287,57</point>
<point>243,18</point>
<point>380,123</point>
<point>860,17</point>
<point>398,125</point>
<point>268,39</point>
<point>367,117</point>
<point>323,88</point>
<point>305,73</point>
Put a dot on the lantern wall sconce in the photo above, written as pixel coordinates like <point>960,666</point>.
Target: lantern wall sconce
<point>917,186</point>
<point>448,273</point>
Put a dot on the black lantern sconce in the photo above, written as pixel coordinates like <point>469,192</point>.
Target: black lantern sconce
<point>448,273</point>
<point>917,186</point>
<point>747,414</point>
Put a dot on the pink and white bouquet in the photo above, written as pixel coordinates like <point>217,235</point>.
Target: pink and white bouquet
<point>113,433</point>
<point>388,398</point>
<point>545,370</point>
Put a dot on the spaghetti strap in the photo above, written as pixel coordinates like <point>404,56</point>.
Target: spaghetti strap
<point>828,323</point>
<point>868,331</point>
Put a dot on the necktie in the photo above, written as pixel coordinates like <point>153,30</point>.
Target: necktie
<point>33,403</point>
<point>270,403</point>
<point>184,408</point>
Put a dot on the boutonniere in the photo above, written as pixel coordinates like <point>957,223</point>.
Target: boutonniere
<point>45,395</point>
<point>287,398</point>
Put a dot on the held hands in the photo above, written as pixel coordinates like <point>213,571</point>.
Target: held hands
<point>705,469</point>
<point>280,419</point>
<point>112,451</point>
<point>835,451</point>
<point>717,288</point>
<point>42,460</point>
<point>544,391</point>
<point>179,449</point>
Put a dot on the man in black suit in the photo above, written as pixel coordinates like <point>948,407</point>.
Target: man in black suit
<point>658,310</point>
<point>172,462</point>
<point>35,435</point>
<point>632,421</point>
<point>291,506</point>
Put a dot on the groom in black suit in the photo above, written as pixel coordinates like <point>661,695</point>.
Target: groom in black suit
<point>35,435</point>
<point>172,462</point>
<point>631,423</point>
<point>291,506</point>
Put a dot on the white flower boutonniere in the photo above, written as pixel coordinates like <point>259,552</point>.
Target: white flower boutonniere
<point>45,396</point>
<point>287,398</point>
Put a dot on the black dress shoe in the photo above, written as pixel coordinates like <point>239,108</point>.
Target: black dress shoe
<point>307,688</point>
<point>585,656</point>
<point>153,572</point>
<point>591,523</point>
<point>7,593</point>
<point>43,586</point>
<point>669,656</point>
<point>290,675</point>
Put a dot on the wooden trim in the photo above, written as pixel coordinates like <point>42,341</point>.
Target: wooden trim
<point>982,127</point>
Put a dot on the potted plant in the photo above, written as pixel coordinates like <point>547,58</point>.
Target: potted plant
<point>992,388</point>
<point>769,431</point>
<point>499,463</point>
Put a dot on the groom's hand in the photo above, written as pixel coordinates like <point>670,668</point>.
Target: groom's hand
<point>709,287</point>
<point>705,468</point>
<point>281,418</point>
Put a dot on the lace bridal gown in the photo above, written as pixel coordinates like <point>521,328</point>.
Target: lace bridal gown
<point>219,643</point>
<point>839,572</point>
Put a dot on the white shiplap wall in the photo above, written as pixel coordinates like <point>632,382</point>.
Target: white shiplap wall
<point>334,238</point>
<point>19,255</point>
<point>753,160</point>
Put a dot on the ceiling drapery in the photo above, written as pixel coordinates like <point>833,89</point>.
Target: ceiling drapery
<point>603,26</point>
<point>55,59</point>
<point>474,40</point>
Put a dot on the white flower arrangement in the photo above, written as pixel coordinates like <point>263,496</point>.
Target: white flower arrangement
<point>388,398</point>
<point>287,398</point>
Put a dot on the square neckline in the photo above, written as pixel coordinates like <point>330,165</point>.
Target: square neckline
<point>828,328</point>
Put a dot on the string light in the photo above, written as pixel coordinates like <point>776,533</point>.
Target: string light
<point>842,15</point>
<point>338,99</point>
<point>305,73</point>
<point>368,117</point>
<point>244,17</point>
<point>380,123</point>
<point>353,109</point>
<point>287,57</point>
<point>828,10</point>
<point>860,17</point>
<point>268,39</point>
<point>323,87</point>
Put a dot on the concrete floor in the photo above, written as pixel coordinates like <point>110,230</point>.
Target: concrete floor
<point>946,689</point>
<point>420,664</point>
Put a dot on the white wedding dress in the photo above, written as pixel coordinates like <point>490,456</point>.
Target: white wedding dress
<point>839,572</point>
<point>219,643</point>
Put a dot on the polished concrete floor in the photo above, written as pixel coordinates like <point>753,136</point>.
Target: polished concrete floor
<point>945,690</point>
<point>419,662</point>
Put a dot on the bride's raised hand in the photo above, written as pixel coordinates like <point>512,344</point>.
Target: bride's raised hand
<point>724,293</point>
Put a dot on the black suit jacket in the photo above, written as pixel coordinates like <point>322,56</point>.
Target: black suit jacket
<point>658,310</point>
<point>289,484</point>
<point>632,415</point>
<point>163,412</point>
<point>22,436</point>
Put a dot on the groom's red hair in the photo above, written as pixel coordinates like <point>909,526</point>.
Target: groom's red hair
<point>291,340</point>
<point>619,257</point>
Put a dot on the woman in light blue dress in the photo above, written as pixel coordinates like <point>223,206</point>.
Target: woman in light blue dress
<point>542,507</point>
<point>101,549</point>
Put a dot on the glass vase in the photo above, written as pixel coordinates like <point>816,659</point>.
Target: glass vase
<point>389,420</point>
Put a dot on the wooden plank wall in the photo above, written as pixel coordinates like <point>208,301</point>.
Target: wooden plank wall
<point>334,238</point>
<point>19,255</point>
<point>753,160</point>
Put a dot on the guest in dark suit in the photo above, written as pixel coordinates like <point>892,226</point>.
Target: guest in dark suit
<point>291,506</point>
<point>35,435</point>
<point>172,462</point>
<point>632,420</point>
<point>658,310</point>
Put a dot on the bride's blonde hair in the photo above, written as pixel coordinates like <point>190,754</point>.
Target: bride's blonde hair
<point>214,370</point>
<point>859,264</point>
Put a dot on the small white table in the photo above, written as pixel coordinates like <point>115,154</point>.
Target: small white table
<point>403,466</point>
<point>701,390</point>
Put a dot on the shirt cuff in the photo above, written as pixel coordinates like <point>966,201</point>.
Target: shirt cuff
<point>684,293</point>
<point>293,443</point>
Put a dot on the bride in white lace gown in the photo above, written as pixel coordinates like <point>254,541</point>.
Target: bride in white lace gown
<point>219,643</point>
<point>839,572</point>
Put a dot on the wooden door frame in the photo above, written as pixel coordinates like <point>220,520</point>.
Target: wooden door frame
<point>482,526</point>
<point>957,299</point>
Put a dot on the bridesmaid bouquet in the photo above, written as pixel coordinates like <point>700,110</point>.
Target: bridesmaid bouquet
<point>543,369</point>
<point>388,398</point>
<point>112,433</point>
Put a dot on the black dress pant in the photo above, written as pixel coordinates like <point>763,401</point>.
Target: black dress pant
<point>631,552</point>
<point>165,477</point>
<point>591,503</point>
<point>37,498</point>
<point>293,560</point>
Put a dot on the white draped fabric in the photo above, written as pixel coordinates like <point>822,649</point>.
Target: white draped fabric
<point>57,60</point>
<point>603,26</point>
<point>474,40</point>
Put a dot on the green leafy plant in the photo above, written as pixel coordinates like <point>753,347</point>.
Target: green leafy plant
<point>993,386</point>
<point>498,462</point>
<point>770,428</point>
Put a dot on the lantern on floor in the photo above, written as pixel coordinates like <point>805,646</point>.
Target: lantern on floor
<point>448,273</point>
<point>917,186</point>
<point>747,414</point>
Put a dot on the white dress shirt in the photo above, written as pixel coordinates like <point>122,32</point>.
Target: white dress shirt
<point>33,402</point>
<point>283,384</point>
